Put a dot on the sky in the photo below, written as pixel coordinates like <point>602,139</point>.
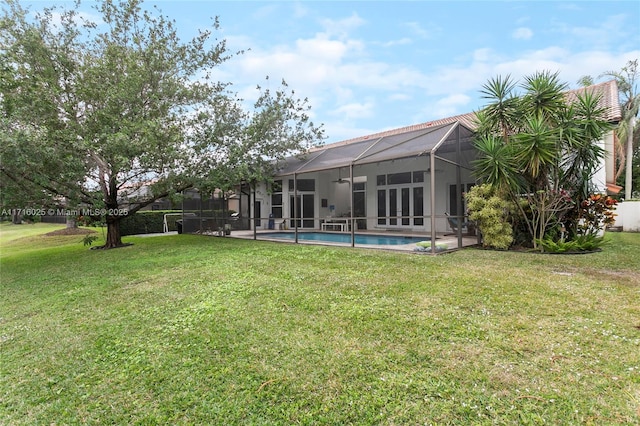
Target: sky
<point>370,66</point>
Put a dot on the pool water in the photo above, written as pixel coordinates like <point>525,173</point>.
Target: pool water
<point>381,240</point>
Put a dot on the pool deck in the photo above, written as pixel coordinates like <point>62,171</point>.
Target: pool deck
<point>450,239</point>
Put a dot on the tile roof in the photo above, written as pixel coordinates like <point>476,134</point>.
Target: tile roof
<point>609,100</point>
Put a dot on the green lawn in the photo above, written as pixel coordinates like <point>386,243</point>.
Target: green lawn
<point>204,330</point>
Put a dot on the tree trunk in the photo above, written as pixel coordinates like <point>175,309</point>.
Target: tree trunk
<point>629,167</point>
<point>113,233</point>
<point>72,223</point>
<point>16,218</point>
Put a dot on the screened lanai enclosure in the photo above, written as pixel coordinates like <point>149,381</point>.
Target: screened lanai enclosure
<point>402,183</point>
<point>408,181</point>
<point>208,213</point>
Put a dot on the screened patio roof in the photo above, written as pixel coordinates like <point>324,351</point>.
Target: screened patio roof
<point>383,147</point>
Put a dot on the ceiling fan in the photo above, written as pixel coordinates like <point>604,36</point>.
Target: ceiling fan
<point>340,178</point>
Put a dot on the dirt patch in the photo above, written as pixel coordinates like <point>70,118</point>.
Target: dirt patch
<point>70,231</point>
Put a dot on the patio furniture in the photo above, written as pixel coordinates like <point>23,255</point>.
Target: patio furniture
<point>334,224</point>
<point>453,224</point>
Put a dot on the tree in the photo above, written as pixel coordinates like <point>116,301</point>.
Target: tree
<point>630,99</point>
<point>585,80</point>
<point>254,143</point>
<point>542,158</point>
<point>124,111</point>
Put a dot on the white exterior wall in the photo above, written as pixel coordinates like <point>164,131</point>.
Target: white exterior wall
<point>628,215</point>
<point>338,194</point>
<point>599,178</point>
<point>609,160</point>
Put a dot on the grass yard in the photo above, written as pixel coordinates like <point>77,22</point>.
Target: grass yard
<point>202,330</point>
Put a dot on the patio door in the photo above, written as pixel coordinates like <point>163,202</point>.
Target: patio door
<point>303,209</point>
<point>399,206</point>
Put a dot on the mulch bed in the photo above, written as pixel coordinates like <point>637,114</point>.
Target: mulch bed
<point>70,231</point>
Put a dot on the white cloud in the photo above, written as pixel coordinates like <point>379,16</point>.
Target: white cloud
<point>355,110</point>
<point>299,10</point>
<point>417,29</point>
<point>399,42</point>
<point>522,33</point>
<point>399,97</point>
<point>445,107</point>
<point>342,94</point>
<point>610,28</point>
<point>342,27</point>
<point>264,12</point>
<point>342,77</point>
<point>483,55</point>
<point>325,50</point>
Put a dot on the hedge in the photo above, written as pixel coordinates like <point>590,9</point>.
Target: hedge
<point>147,222</point>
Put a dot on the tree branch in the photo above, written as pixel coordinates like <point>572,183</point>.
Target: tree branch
<point>21,178</point>
<point>142,204</point>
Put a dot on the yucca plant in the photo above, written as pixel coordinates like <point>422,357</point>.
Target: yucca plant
<point>539,149</point>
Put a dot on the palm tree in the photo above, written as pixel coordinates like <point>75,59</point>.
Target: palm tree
<point>544,96</point>
<point>537,148</point>
<point>502,112</point>
<point>627,86</point>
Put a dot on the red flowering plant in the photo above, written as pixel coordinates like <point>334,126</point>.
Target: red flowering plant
<point>595,213</point>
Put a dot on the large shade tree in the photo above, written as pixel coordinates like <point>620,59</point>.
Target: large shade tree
<point>539,149</point>
<point>99,113</point>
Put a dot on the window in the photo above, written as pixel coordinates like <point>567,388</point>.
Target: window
<point>276,199</point>
<point>304,185</point>
<point>399,178</point>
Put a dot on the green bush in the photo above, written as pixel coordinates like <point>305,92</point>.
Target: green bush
<point>551,246</point>
<point>581,243</point>
<point>491,214</point>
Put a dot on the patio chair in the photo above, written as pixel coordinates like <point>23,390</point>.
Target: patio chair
<point>453,223</point>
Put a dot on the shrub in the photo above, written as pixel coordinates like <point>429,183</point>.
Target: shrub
<point>491,213</point>
<point>581,243</point>
<point>595,213</point>
<point>146,222</point>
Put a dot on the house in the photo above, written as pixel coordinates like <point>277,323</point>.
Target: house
<point>411,179</point>
<point>404,179</point>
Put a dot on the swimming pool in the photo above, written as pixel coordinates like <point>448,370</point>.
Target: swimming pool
<point>381,240</point>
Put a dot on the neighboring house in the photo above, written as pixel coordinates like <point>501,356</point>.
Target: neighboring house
<point>406,179</point>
